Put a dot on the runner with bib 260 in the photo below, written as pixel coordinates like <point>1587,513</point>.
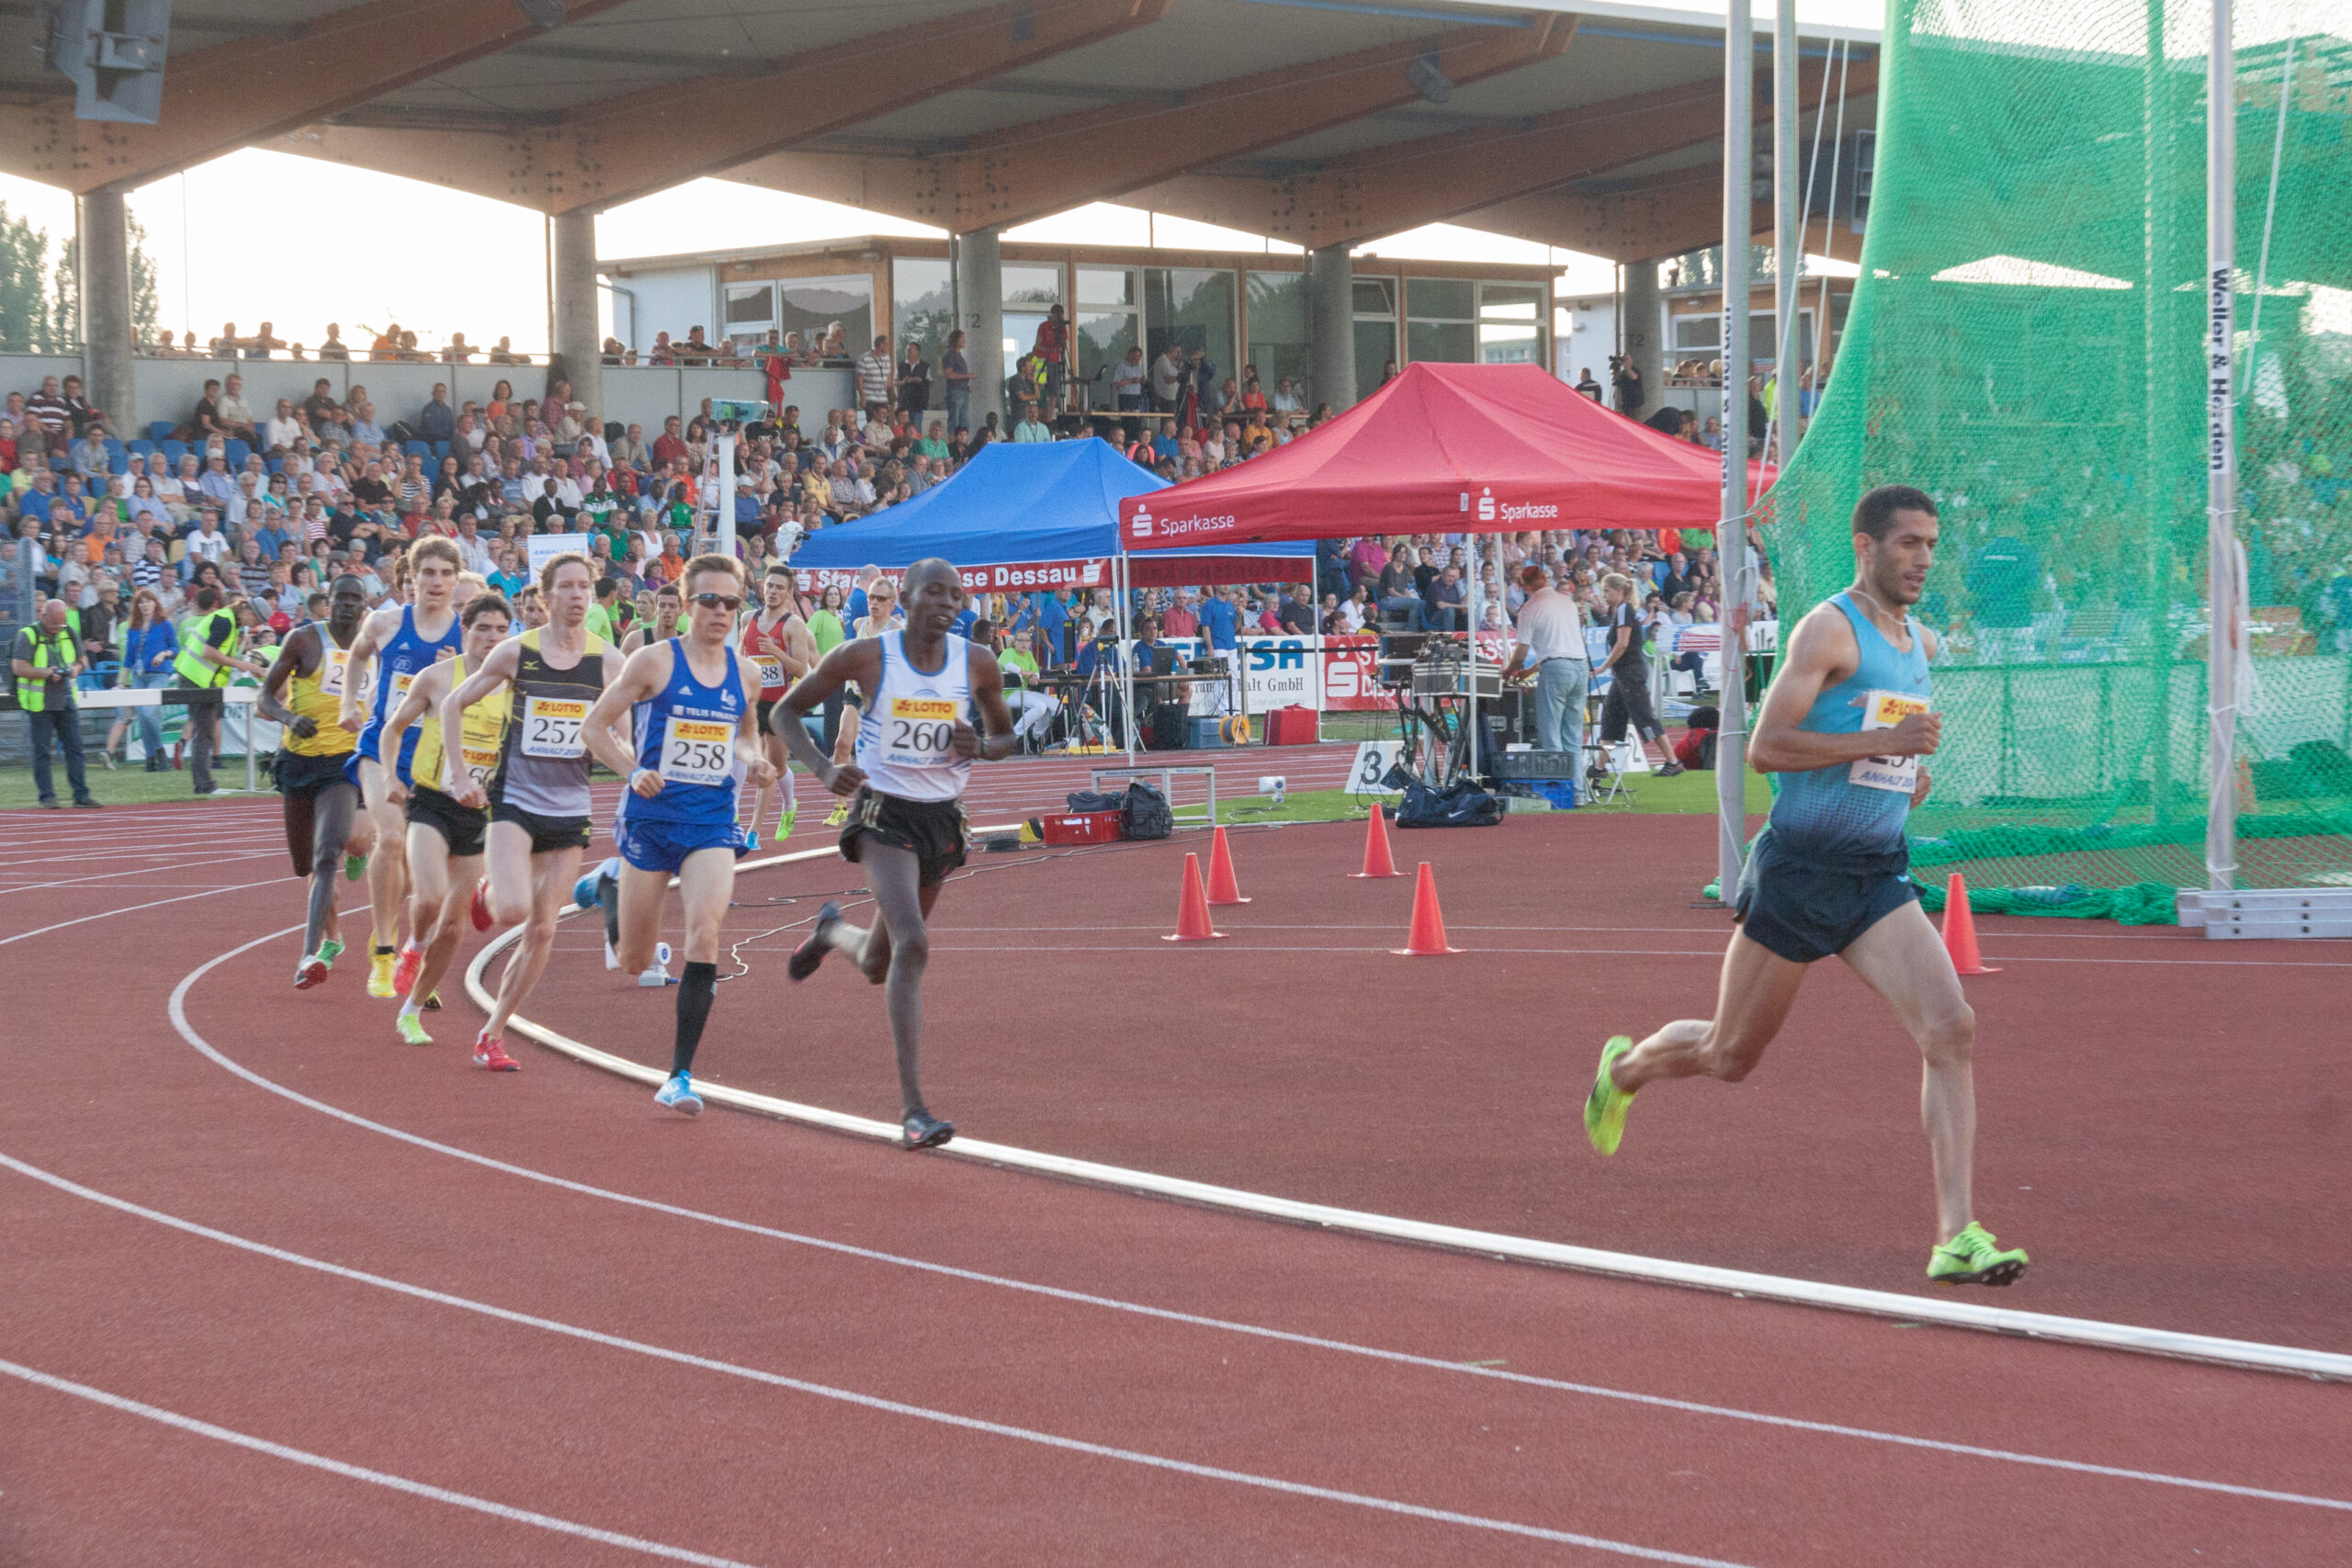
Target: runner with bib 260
<point>697,739</point>
<point>537,797</point>
<point>1846,726</point>
<point>906,823</point>
<point>303,691</point>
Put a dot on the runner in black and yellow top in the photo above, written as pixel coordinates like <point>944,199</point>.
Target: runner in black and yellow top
<point>537,797</point>
<point>303,691</point>
<point>446,839</point>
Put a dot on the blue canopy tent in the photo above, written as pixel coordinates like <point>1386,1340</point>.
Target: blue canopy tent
<point>1042,515</point>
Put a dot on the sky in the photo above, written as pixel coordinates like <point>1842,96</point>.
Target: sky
<point>218,236</point>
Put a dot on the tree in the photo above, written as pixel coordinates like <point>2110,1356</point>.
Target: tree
<point>143,307</point>
<point>24,283</point>
<point>64,333</point>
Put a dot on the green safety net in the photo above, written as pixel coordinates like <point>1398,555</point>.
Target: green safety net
<point>2026,346</point>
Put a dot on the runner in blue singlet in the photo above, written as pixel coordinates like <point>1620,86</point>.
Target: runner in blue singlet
<point>1846,724</point>
<point>697,738</point>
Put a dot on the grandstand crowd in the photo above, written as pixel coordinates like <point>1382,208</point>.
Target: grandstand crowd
<point>268,505</point>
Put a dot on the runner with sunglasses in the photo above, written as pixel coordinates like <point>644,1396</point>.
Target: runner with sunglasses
<point>697,739</point>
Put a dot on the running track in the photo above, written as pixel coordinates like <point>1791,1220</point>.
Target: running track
<point>241,1327</point>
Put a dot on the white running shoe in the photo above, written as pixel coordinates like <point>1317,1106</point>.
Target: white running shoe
<point>678,1094</point>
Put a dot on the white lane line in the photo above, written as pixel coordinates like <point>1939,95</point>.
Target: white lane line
<point>361,1472</point>
<point>154,904</point>
<point>174,862</point>
<point>864,1400</point>
<point>1591,1260</point>
<point>1166,1315</point>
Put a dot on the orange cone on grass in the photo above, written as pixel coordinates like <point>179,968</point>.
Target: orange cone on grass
<point>1427,939</point>
<point>1222,888</point>
<point>1960,929</point>
<point>1377,861</point>
<point>1193,908</point>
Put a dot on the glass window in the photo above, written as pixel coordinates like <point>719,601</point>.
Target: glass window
<point>921,309</point>
<point>1278,334</point>
<point>1375,346</point>
<point>1106,285</point>
<point>1698,332</point>
<point>1193,307</point>
<point>1038,285</point>
<point>1440,300</point>
<point>751,305</point>
<point>1510,301</point>
<point>1376,297</point>
<point>1510,330</point>
<point>833,313</point>
<point>1453,343</point>
<point>1103,339</point>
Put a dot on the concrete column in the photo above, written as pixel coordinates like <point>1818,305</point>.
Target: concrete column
<point>980,296</point>
<point>1331,327</point>
<point>578,345</point>
<point>102,261</point>
<point>1645,334</point>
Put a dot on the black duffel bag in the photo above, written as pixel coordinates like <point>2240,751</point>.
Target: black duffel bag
<point>1462,806</point>
<point>1147,812</point>
<point>1096,800</point>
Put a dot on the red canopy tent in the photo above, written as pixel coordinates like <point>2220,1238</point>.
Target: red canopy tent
<point>1452,448</point>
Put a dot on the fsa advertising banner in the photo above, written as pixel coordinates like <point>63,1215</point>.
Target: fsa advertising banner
<point>1280,670</point>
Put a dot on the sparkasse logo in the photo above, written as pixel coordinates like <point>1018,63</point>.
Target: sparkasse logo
<point>1486,505</point>
<point>1140,524</point>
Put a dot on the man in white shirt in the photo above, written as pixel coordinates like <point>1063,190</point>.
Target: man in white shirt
<point>1167,378</point>
<point>283,429</point>
<point>1550,640</point>
<point>208,543</point>
<point>1285,401</point>
<point>1128,380</point>
<point>235,416</point>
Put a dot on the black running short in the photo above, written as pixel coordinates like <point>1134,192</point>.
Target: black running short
<point>298,775</point>
<point>1804,909</point>
<point>767,712</point>
<point>461,826</point>
<point>548,833</point>
<point>932,831</point>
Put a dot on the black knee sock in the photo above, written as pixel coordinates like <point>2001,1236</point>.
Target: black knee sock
<point>608,898</point>
<point>695,989</point>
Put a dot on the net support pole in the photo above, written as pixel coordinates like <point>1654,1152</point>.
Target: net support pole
<point>1126,654</point>
<point>1470,651</point>
<point>1788,230</point>
<point>2228,617</point>
<point>722,504</point>
<point>1731,538</point>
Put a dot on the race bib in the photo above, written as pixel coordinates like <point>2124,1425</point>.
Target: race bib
<point>1899,775</point>
<point>771,668</point>
<point>480,764</point>
<point>698,752</point>
<point>334,674</point>
<point>551,729</point>
<point>919,732</point>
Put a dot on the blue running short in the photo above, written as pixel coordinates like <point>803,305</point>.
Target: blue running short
<point>1805,910</point>
<point>664,846</point>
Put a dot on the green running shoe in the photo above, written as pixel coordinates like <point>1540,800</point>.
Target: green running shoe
<point>1605,1107</point>
<point>785,820</point>
<point>353,867</point>
<point>1973,1257</point>
<point>412,1028</point>
<point>329,951</point>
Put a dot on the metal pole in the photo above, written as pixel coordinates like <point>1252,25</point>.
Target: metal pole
<point>725,501</point>
<point>1470,647</point>
<point>2223,652</point>
<point>1731,539</point>
<point>1126,654</point>
<point>1788,228</point>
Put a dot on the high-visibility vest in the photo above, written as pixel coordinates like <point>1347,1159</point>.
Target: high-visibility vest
<point>52,650</point>
<point>191,666</point>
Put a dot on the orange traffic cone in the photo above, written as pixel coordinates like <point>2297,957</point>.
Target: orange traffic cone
<point>1960,929</point>
<point>1377,861</point>
<point>1427,938</point>
<point>1192,909</point>
<point>1222,888</point>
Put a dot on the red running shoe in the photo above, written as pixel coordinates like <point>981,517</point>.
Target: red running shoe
<point>489,1053</point>
<point>481,908</point>
<point>405,966</point>
<point>312,971</point>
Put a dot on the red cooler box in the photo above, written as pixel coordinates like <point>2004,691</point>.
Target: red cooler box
<point>1082,828</point>
<point>1293,726</point>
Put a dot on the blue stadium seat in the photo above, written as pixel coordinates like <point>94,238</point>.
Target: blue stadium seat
<point>117,457</point>
<point>140,448</point>
<point>175,451</point>
<point>275,465</point>
<point>237,453</point>
<point>417,449</point>
<point>440,451</point>
<point>159,429</point>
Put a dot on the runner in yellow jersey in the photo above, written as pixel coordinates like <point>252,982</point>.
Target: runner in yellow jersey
<point>444,838</point>
<point>304,692</point>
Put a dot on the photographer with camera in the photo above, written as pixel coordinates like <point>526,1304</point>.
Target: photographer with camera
<point>1628,379</point>
<point>46,660</point>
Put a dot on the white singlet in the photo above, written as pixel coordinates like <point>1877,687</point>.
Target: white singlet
<point>905,742</point>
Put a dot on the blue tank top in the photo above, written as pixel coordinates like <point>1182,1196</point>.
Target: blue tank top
<point>1822,816</point>
<point>690,734</point>
<point>404,656</point>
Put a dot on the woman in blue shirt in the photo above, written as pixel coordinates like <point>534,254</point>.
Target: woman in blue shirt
<point>149,645</point>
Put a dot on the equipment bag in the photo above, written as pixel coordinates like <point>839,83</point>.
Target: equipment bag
<point>1085,800</point>
<point>1170,728</point>
<point>1464,806</point>
<point>1148,814</point>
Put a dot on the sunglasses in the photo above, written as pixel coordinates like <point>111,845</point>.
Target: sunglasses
<point>727,602</point>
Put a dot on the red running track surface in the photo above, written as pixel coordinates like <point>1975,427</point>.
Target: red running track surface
<point>716,1457</point>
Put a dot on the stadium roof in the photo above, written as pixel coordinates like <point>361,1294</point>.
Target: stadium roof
<point>1582,123</point>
